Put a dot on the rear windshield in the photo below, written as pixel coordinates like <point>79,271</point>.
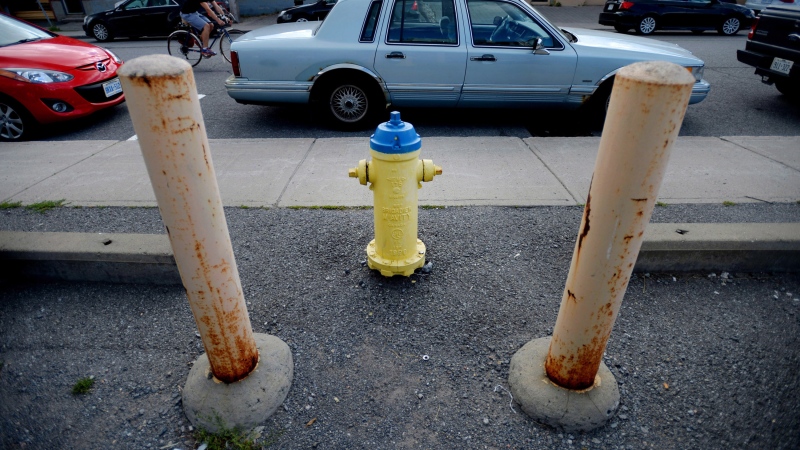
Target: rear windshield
<point>15,32</point>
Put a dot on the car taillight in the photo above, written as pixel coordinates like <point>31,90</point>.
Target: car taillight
<point>753,29</point>
<point>787,1</point>
<point>625,5</point>
<point>235,63</point>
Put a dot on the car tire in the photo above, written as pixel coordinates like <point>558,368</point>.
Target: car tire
<point>349,103</point>
<point>621,29</point>
<point>647,25</point>
<point>730,26</point>
<point>301,19</point>
<point>789,89</point>
<point>16,123</point>
<point>101,32</point>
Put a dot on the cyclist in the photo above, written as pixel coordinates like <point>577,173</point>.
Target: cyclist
<point>190,13</point>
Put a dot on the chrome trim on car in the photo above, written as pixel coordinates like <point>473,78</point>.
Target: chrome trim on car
<point>349,66</point>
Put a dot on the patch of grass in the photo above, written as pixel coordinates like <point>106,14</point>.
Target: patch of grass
<point>10,205</point>
<point>82,386</point>
<point>47,205</point>
<point>432,207</point>
<point>334,208</point>
<point>330,207</point>
<point>662,204</point>
<point>234,438</point>
<point>244,207</point>
<point>54,29</point>
<point>728,203</point>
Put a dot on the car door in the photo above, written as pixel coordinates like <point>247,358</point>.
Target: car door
<point>422,57</point>
<point>704,13</point>
<point>128,19</point>
<point>502,68</point>
<point>159,17</point>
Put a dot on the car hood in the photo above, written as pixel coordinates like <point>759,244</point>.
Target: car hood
<point>590,40</point>
<point>58,53</point>
<point>292,30</point>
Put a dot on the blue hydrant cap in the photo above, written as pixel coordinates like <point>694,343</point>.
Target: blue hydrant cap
<point>395,136</point>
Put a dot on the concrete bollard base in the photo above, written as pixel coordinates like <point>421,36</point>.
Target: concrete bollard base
<point>546,402</point>
<point>213,405</point>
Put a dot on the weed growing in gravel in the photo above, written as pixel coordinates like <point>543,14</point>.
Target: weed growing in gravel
<point>47,205</point>
<point>330,207</point>
<point>433,207</point>
<point>234,438</point>
<point>10,205</point>
<point>662,204</point>
<point>728,203</point>
<point>82,386</point>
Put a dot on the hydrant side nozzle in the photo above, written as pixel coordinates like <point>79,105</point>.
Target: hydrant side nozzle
<point>429,170</point>
<point>361,172</point>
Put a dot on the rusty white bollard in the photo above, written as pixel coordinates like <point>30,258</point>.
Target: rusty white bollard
<point>562,381</point>
<point>243,377</point>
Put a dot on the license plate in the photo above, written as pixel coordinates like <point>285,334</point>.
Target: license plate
<point>112,87</point>
<point>783,66</point>
<point>609,7</point>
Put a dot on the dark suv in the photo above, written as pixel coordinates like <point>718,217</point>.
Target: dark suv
<point>773,48</point>
<point>304,13</point>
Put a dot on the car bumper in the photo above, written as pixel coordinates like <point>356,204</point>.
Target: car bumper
<point>700,91</point>
<point>617,18</point>
<point>763,62</point>
<point>37,98</point>
<point>267,92</point>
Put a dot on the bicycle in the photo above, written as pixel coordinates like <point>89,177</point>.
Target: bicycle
<point>185,42</point>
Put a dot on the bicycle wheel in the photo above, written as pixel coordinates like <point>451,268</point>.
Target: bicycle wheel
<point>226,40</point>
<point>183,44</point>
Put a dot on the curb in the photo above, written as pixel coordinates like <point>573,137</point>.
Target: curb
<point>148,258</point>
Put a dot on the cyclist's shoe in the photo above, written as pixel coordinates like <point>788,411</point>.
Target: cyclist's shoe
<point>208,53</point>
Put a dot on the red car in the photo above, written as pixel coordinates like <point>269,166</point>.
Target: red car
<point>46,78</point>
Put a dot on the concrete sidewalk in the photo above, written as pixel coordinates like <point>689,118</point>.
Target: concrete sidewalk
<point>500,171</point>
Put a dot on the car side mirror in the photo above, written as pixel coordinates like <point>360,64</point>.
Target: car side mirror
<point>497,20</point>
<point>538,47</point>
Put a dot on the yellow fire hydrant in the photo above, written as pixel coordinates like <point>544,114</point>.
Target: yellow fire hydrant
<point>395,174</point>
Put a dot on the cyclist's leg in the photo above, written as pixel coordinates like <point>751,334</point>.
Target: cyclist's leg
<point>200,23</point>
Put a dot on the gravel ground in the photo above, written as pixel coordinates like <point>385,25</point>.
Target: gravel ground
<point>703,361</point>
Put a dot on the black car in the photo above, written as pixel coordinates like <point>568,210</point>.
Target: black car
<point>305,13</point>
<point>647,16</point>
<point>773,48</point>
<point>134,18</point>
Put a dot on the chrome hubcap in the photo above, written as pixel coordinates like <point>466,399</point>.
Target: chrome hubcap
<point>730,26</point>
<point>10,123</point>
<point>100,31</point>
<point>349,103</point>
<point>648,25</point>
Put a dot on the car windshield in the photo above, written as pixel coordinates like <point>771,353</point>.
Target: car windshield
<point>16,32</point>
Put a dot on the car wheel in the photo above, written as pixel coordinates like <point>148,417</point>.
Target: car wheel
<point>350,104</point>
<point>621,29</point>
<point>730,26</point>
<point>647,25</point>
<point>789,89</point>
<point>301,19</point>
<point>16,124</point>
<point>101,32</point>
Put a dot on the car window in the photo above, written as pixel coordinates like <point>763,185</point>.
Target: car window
<point>423,22</point>
<point>136,4</point>
<point>16,32</point>
<point>499,23</point>
<point>370,22</point>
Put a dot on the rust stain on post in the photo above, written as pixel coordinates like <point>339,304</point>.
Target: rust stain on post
<point>165,111</point>
<point>651,99</point>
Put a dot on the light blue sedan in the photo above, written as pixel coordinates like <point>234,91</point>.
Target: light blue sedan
<point>368,54</point>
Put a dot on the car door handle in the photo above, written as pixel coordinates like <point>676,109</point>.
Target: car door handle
<point>483,58</point>
<point>395,55</point>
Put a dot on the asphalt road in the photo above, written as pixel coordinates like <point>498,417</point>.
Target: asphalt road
<point>739,104</point>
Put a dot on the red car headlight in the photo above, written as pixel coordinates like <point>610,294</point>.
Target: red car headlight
<point>36,75</point>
